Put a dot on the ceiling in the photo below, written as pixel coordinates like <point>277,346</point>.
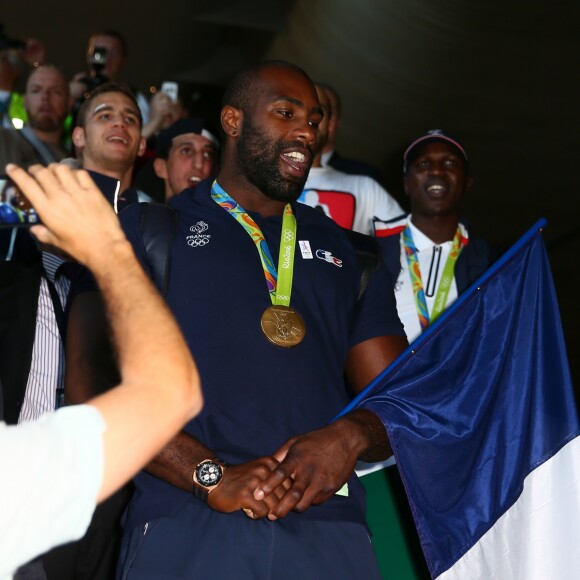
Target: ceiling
<point>502,76</point>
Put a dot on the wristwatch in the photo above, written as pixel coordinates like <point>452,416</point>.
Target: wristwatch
<point>207,476</point>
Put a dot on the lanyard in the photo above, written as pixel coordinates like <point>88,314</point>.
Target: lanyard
<point>417,283</point>
<point>279,283</point>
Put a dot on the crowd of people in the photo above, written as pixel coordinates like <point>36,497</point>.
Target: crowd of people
<point>259,484</point>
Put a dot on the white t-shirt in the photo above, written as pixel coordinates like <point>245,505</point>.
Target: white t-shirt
<point>52,470</point>
<point>431,263</point>
<point>350,200</point>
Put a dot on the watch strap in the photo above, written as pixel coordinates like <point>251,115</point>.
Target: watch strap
<point>200,493</point>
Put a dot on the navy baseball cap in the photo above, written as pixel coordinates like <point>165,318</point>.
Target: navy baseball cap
<point>433,136</point>
<point>182,127</point>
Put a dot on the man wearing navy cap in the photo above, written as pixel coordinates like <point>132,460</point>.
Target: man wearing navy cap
<point>432,258</point>
<point>187,153</point>
<point>436,178</point>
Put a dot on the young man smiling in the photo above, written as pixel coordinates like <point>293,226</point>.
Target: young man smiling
<point>108,135</point>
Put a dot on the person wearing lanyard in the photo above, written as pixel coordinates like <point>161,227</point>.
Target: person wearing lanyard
<point>432,258</point>
<point>266,292</point>
<point>429,252</point>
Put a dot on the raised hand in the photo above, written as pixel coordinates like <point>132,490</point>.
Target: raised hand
<point>75,216</point>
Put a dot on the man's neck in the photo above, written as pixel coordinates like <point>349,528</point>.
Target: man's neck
<point>123,175</point>
<point>249,196</point>
<point>440,229</point>
<point>317,162</point>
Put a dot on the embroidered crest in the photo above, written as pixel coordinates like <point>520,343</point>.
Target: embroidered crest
<point>198,237</point>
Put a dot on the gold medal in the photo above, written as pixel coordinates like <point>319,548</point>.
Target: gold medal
<point>283,326</point>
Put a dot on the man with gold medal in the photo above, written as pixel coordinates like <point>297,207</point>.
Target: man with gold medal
<point>261,484</point>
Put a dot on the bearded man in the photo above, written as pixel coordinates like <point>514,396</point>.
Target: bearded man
<point>266,292</point>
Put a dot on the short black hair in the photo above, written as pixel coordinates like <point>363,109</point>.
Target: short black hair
<point>240,90</point>
<point>110,87</point>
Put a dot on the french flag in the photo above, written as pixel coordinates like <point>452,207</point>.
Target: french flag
<point>481,416</point>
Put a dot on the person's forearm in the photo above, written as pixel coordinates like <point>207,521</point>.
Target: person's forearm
<point>160,384</point>
<point>176,464</point>
<point>140,418</point>
<point>321,461</point>
<point>177,460</point>
<point>366,434</point>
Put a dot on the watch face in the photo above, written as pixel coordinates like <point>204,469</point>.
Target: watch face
<point>209,473</point>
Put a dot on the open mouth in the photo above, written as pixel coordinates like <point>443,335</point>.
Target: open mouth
<point>297,161</point>
<point>436,190</point>
<point>117,139</point>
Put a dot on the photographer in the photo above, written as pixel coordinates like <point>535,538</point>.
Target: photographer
<point>106,58</point>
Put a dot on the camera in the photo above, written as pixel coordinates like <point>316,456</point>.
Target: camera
<point>15,209</point>
<point>98,61</point>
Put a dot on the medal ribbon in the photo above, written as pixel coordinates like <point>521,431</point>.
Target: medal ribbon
<point>279,283</point>
<point>417,282</point>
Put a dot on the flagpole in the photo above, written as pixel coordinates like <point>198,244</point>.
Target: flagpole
<point>522,242</point>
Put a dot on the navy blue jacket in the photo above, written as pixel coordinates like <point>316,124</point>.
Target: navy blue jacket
<point>473,260</point>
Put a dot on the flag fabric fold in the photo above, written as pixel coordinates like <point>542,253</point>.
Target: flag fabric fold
<point>481,416</point>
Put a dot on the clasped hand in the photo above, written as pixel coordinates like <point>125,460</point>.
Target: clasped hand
<point>307,470</point>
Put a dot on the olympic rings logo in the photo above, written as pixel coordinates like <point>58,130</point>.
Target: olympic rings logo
<point>288,235</point>
<point>198,241</point>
